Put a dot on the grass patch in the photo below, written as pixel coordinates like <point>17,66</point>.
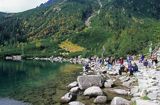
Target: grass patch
<point>69,46</point>
<point>133,103</point>
<point>145,98</point>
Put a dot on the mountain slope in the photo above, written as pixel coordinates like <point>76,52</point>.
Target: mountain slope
<point>121,26</point>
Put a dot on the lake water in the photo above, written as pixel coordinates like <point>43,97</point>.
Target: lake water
<point>36,82</point>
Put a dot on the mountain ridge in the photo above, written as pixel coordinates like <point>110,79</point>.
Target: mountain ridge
<point>121,26</point>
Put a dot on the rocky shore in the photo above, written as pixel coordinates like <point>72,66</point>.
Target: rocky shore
<point>105,87</point>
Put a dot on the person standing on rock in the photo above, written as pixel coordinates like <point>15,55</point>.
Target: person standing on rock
<point>154,60</point>
<point>122,67</point>
<point>106,62</point>
<point>86,68</point>
<point>130,69</point>
<point>110,63</point>
<point>141,58</point>
<point>121,61</point>
<point>128,59</point>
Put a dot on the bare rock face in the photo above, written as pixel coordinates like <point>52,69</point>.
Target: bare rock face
<point>93,91</point>
<point>87,81</point>
<point>100,100</point>
<point>120,101</point>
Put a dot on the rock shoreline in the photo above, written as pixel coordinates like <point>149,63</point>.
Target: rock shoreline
<point>97,83</point>
<point>101,86</point>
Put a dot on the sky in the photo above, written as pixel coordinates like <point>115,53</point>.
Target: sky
<point>14,6</point>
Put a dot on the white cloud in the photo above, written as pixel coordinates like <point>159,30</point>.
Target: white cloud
<point>19,5</point>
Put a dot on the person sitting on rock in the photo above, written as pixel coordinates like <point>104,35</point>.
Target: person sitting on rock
<point>122,69</point>
<point>130,68</point>
<point>145,63</point>
<point>135,67</point>
<point>86,68</point>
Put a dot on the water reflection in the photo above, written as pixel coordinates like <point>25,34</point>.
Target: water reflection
<point>16,75</point>
<point>36,82</point>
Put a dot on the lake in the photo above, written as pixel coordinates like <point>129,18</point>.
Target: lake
<point>36,82</point>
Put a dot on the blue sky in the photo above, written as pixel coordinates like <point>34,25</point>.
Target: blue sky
<point>14,6</point>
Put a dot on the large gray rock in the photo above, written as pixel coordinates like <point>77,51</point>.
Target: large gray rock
<point>74,89</point>
<point>124,78</point>
<point>75,103</point>
<point>120,101</point>
<point>120,91</point>
<point>143,93</point>
<point>127,83</point>
<point>73,84</point>
<point>153,88</point>
<point>112,72</point>
<point>134,90</point>
<point>66,98</point>
<point>87,81</point>
<point>152,95</point>
<point>100,100</point>
<point>108,83</point>
<point>93,91</point>
<point>145,102</point>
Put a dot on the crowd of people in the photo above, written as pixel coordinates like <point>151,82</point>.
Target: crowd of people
<point>127,64</point>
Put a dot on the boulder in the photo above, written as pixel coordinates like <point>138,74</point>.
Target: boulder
<point>133,100</point>
<point>108,83</point>
<point>153,88</point>
<point>127,83</point>
<point>152,95</point>
<point>93,91</point>
<point>145,102</point>
<point>66,98</point>
<point>124,78</point>
<point>120,91</point>
<point>120,101</point>
<point>73,84</point>
<point>136,94</point>
<point>87,81</point>
<point>112,72</point>
<point>143,93</point>
<point>134,90</point>
<point>75,103</point>
<point>74,89</point>
<point>100,100</point>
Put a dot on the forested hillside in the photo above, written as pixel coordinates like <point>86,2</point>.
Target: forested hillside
<point>117,26</point>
